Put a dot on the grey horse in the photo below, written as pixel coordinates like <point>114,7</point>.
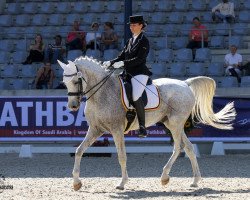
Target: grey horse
<point>105,113</point>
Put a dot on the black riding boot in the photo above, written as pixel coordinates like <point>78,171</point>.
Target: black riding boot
<point>139,107</point>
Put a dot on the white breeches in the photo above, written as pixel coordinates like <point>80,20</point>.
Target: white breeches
<point>138,86</point>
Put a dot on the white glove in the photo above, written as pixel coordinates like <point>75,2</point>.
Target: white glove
<point>106,64</point>
<point>118,64</point>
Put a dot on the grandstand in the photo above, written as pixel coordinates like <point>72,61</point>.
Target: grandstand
<point>169,24</point>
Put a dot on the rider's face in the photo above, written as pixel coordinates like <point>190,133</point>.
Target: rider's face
<point>136,28</point>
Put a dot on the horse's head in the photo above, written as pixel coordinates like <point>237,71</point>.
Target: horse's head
<point>75,83</point>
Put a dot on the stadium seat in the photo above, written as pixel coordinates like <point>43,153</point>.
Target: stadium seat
<point>217,42</point>
<point>228,81</point>
<point>161,43</point>
<point>20,84</point>
<point>93,53</point>
<point>154,30</point>
<point>19,56</point>
<point>175,17</point>
<point>119,19</point>
<point>63,7</point>
<point>180,42</point>
<point>198,5</point>
<point>70,18</point>
<point>6,45</point>
<point>151,56</point>
<point>14,33</point>
<point>97,6</point>
<point>4,84</point>
<point>169,29</point>
<point>114,6</point>
<point>4,57</point>
<point>181,5</point>
<point>184,29</point>
<point>29,71</point>
<point>88,18</point>
<point>164,5</point>
<point>56,20</point>
<point>244,16</point>
<point>22,20</point>
<point>195,69</point>
<point>240,29</point>
<point>184,55</point>
<point>147,6</point>
<point>47,8</point>
<point>110,54</point>
<point>107,17</point>
<point>203,55</point>
<point>6,20</point>
<point>48,32</point>
<point>10,71</point>
<point>159,18</point>
<point>222,29</point>
<point>216,69</point>
<point>165,55</point>
<point>246,4</point>
<point>159,70</point>
<point>190,16</point>
<point>14,8</point>
<point>206,17</point>
<point>135,6</point>
<point>213,3</point>
<point>30,8</point>
<point>245,81</point>
<point>177,70</point>
<point>235,40</point>
<point>73,54</point>
<point>31,31</point>
<point>80,7</point>
<point>39,20</point>
<point>64,30</point>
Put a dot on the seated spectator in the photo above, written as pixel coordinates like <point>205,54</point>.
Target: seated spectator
<point>233,62</point>
<point>36,53</point>
<point>223,12</point>
<point>55,51</point>
<point>93,36</point>
<point>109,39</point>
<point>197,35</point>
<point>44,77</point>
<point>76,38</point>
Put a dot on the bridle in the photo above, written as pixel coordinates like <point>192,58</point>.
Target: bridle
<point>80,91</point>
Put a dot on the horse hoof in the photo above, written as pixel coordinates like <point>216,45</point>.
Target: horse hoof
<point>77,186</point>
<point>165,181</point>
<point>194,185</point>
<point>119,187</point>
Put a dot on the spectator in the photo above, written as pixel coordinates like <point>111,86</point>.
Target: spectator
<point>36,53</point>
<point>55,51</point>
<point>223,12</point>
<point>197,36</point>
<point>109,38</point>
<point>233,63</point>
<point>76,39</point>
<point>44,77</point>
<point>93,36</point>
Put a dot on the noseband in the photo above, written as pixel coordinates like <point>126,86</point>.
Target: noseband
<point>80,91</point>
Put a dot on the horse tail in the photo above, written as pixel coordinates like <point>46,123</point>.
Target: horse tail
<point>204,90</point>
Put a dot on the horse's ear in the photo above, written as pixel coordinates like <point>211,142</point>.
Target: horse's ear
<point>71,64</point>
<point>64,66</point>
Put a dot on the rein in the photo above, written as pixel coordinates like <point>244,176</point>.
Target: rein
<point>80,91</point>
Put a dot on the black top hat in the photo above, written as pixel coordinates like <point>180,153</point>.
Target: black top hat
<point>136,19</point>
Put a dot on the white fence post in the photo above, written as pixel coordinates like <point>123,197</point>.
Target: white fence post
<point>218,149</point>
<point>25,151</point>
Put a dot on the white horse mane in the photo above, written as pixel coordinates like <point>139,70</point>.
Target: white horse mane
<point>89,62</point>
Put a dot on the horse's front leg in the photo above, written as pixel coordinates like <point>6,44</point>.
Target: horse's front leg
<point>122,157</point>
<point>89,139</point>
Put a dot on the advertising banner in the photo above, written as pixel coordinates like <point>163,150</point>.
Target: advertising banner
<point>41,118</point>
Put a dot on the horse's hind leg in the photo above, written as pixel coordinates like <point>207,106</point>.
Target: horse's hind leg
<point>188,147</point>
<point>89,139</point>
<point>177,149</point>
<point>122,157</point>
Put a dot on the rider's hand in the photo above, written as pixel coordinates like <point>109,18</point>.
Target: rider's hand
<point>118,64</point>
<point>106,64</point>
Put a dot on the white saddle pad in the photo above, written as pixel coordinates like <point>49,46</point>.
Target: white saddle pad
<point>152,95</point>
